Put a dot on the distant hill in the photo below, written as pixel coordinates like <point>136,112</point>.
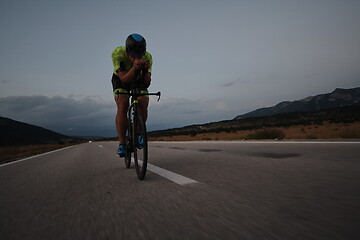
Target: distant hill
<point>18,133</point>
<point>338,98</point>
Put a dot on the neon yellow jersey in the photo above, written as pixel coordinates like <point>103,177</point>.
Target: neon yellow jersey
<point>120,60</point>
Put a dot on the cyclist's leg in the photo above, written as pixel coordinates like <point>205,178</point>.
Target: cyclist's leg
<point>143,105</point>
<point>143,110</point>
<point>122,102</point>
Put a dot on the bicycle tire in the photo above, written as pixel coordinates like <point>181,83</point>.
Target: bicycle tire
<point>140,155</point>
<point>128,152</point>
<point>128,140</point>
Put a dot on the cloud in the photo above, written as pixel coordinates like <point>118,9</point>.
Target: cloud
<point>70,116</point>
<point>95,117</point>
<point>229,84</point>
<point>238,81</point>
<point>177,112</point>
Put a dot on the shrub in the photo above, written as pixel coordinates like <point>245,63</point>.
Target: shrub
<point>350,134</point>
<point>311,136</point>
<point>267,134</point>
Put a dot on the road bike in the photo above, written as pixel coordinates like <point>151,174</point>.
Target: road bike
<point>137,130</point>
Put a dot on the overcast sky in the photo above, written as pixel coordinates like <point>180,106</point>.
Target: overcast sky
<point>212,59</point>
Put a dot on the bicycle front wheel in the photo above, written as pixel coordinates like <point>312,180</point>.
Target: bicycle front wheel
<point>140,148</point>
<point>128,152</point>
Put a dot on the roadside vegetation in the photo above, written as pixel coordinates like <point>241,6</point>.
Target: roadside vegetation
<point>310,132</point>
<point>11,153</point>
<point>338,123</point>
<point>274,133</point>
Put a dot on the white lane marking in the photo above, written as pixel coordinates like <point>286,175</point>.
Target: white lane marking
<point>100,145</point>
<point>39,155</point>
<point>174,177</point>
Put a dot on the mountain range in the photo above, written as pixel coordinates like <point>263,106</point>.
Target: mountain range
<point>19,133</point>
<point>338,98</point>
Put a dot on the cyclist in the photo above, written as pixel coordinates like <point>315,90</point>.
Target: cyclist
<point>131,63</point>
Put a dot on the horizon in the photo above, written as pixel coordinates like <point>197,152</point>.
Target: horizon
<point>180,127</point>
<point>212,60</point>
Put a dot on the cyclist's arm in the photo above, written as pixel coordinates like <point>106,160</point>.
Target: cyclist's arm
<point>127,77</point>
<point>147,79</point>
<point>131,75</point>
<point>147,72</point>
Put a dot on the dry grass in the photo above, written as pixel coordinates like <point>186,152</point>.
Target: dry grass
<point>11,153</point>
<point>324,131</point>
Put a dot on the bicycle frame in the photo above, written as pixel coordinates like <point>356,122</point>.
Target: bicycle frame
<point>134,94</point>
<point>137,128</point>
<point>133,110</point>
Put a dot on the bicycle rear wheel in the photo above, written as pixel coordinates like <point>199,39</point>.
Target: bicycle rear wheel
<point>140,150</point>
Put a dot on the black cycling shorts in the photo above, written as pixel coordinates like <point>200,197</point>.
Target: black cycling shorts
<point>118,84</point>
<point>121,87</point>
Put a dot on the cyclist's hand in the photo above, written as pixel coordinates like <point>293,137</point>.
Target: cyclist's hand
<point>146,64</point>
<point>137,64</point>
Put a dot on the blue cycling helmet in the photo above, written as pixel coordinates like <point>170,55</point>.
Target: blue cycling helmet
<point>135,45</point>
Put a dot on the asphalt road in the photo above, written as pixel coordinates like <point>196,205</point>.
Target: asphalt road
<point>243,190</point>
